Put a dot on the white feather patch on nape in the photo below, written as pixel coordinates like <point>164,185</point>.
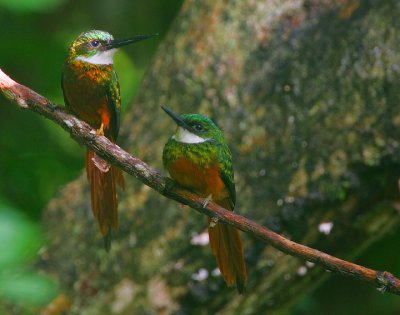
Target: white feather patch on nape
<point>185,136</point>
<point>101,58</point>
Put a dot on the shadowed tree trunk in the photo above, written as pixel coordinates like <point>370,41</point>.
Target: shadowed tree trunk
<point>306,92</point>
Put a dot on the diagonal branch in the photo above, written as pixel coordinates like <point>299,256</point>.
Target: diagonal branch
<point>83,133</point>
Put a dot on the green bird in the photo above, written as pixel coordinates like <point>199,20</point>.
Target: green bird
<point>198,158</point>
<point>91,92</point>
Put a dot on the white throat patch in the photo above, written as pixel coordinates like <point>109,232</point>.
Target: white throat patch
<point>101,58</point>
<point>185,136</point>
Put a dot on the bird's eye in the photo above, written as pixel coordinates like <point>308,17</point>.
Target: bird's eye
<point>198,127</point>
<point>94,43</point>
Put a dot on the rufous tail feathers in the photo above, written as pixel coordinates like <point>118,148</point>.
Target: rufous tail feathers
<point>227,247</point>
<point>102,178</point>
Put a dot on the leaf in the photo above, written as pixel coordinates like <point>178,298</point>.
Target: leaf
<point>30,5</point>
<point>26,288</point>
<point>19,238</point>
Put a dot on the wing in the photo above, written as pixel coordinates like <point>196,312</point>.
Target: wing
<point>66,102</point>
<point>227,174</point>
<point>114,104</point>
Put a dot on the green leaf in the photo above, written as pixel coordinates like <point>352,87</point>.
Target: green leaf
<point>26,288</point>
<point>19,238</point>
<point>30,5</point>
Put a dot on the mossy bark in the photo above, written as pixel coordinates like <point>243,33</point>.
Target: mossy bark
<point>306,92</point>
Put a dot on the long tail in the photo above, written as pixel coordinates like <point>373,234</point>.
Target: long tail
<point>227,247</point>
<point>103,178</point>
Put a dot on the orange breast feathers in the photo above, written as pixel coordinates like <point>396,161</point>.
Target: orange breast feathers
<point>86,95</point>
<point>203,181</point>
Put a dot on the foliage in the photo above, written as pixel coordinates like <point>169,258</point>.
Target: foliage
<point>20,240</point>
<point>30,5</point>
<point>34,53</point>
<point>37,158</point>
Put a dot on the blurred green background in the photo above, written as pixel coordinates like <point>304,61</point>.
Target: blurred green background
<point>37,158</point>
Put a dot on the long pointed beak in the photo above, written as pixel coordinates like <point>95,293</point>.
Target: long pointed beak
<point>178,119</point>
<point>126,41</point>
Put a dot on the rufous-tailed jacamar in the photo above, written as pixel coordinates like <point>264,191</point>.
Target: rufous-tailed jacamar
<point>91,92</point>
<point>198,158</point>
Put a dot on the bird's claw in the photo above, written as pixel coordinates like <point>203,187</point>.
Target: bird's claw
<point>100,131</point>
<point>213,222</point>
<point>206,201</point>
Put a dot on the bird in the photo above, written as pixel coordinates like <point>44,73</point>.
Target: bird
<point>91,92</point>
<point>197,157</point>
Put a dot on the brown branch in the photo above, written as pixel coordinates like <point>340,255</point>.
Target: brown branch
<point>83,133</point>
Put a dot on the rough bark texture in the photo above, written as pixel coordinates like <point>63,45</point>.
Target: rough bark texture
<point>306,94</point>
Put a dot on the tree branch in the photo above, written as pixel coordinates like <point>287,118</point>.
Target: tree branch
<point>83,133</point>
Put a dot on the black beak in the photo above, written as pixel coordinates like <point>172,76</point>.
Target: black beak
<point>126,41</point>
<point>178,119</point>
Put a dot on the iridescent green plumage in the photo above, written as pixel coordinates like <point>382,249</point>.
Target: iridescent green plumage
<point>198,158</point>
<point>91,92</point>
<point>89,81</point>
<point>213,151</point>
<point>89,43</point>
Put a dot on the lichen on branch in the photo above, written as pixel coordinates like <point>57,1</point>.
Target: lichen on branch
<point>84,134</point>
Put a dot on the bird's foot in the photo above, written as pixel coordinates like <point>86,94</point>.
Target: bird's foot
<point>100,131</point>
<point>213,222</point>
<point>206,201</point>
